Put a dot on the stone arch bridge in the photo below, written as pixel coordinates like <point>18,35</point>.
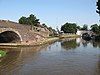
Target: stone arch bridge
<point>81,32</point>
<point>12,32</point>
<point>8,35</point>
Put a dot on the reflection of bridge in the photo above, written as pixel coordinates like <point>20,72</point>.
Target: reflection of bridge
<point>11,32</point>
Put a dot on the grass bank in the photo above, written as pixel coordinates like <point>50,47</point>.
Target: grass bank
<point>68,36</point>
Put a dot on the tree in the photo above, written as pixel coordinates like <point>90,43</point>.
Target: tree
<point>85,27</point>
<point>99,29</point>
<point>98,7</point>
<point>95,28</point>
<point>31,20</point>
<point>69,28</point>
<point>53,32</point>
<point>44,25</point>
<point>23,20</point>
<point>78,27</point>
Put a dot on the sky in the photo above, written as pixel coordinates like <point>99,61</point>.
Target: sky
<point>53,13</point>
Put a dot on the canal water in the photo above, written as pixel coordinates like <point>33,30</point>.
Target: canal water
<point>63,57</point>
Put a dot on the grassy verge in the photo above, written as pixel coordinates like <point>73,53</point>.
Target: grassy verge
<point>2,53</point>
<point>68,36</point>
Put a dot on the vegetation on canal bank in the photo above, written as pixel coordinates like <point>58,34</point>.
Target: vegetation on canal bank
<point>68,36</point>
<point>2,53</point>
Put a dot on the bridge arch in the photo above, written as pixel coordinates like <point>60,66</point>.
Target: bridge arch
<point>9,36</point>
<point>81,32</point>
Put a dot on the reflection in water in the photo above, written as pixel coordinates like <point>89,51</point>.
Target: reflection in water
<point>85,43</point>
<point>69,56</point>
<point>69,44</point>
<point>17,57</point>
<point>95,44</point>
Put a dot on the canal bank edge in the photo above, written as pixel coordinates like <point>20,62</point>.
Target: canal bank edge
<point>44,41</point>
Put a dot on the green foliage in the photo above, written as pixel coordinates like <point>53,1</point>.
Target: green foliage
<point>95,28</point>
<point>69,28</point>
<point>50,28</point>
<point>31,20</point>
<point>53,32</point>
<point>98,7</point>
<point>2,53</point>
<point>85,27</point>
<point>44,25</point>
<point>23,20</point>
<point>78,27</point>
